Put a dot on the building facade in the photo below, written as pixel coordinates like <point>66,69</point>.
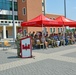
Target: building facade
<point>6,18</point>
<point>30,9</point>
<point>24,10</point>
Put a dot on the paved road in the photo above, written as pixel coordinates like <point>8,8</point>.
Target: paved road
<point>51,61</point>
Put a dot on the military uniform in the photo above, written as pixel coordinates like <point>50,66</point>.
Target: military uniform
<point>18,37</point>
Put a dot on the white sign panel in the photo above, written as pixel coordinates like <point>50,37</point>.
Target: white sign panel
<point>26,50</point>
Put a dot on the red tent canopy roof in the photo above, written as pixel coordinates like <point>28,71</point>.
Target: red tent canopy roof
<point>39,21</point>
<point>66,22</point>
<point>62,18</point>
<point>40,18</point>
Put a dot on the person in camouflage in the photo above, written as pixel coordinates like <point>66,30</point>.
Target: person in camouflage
<point>17,41</point>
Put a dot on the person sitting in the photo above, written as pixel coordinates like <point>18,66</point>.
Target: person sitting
<point>66,39</point>
<point>52,40</point>
<point>61,38</point>
<point>75,35</point>
<point>37,41</point>
<point>43,40</point>
<point>58,43</point>
<point>72,38</point>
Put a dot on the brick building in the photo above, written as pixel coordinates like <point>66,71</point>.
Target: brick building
<point>24,10</point>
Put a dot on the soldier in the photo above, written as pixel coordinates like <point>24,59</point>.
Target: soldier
<point>18,37</point>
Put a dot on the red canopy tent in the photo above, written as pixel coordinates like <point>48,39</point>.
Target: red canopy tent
<point>40,21</point>
<point>65,21</point>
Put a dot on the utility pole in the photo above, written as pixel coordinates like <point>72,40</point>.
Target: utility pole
<point>14,27</point>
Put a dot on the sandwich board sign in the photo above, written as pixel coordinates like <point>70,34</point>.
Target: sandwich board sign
<point>26,47</point>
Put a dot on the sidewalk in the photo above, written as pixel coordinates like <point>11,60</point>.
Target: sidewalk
<point>53,61</point>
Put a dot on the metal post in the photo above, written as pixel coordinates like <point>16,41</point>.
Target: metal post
<point>65,8</point>
<point>14,27</point>
<point>65,16</point>
<point>44,6</point>
<point>42,24</point>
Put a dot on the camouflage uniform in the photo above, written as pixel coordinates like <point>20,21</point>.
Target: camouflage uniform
<point>18,37</point>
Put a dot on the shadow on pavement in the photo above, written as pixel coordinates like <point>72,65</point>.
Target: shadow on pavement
<point>12,57</point>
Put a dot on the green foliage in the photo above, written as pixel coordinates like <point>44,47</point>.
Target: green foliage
<point>70,30</point>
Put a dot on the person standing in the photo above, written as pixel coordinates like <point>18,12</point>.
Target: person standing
<point>17,41</point>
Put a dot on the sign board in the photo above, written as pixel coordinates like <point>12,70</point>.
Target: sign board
<point>26,47</point>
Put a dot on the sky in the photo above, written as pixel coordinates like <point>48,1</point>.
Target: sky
<point>57,7</point>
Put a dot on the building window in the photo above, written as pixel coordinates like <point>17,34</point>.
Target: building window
<point>15,6</point>
<point>42,1</point>
<point>9,21</point>
<point>18,22</point>
<point>24,32</point>
<point>61,30</point>
<point>51,30</point>
<point>58,30</point>
<point>1,21</point>
<point>24,11</point>
<point>53,18</point>
<point>15,22</point>
<point>42,8</point>
<point>8,17</point>
<point>23,0</point>
<point>5,21</point>
<point>7,5</point>
<point>50,18</point>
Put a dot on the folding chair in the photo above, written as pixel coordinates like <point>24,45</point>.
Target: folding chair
<point>40,44</point>
<point>6,44</point>
<point>0,43</point>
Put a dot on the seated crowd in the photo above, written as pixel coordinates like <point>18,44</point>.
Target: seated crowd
<point>40,40</point>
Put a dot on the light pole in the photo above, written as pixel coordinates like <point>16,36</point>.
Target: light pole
<point>65,8</point>
<point>14,27</point>
<point>65,16</point>
<point>44,6</point>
